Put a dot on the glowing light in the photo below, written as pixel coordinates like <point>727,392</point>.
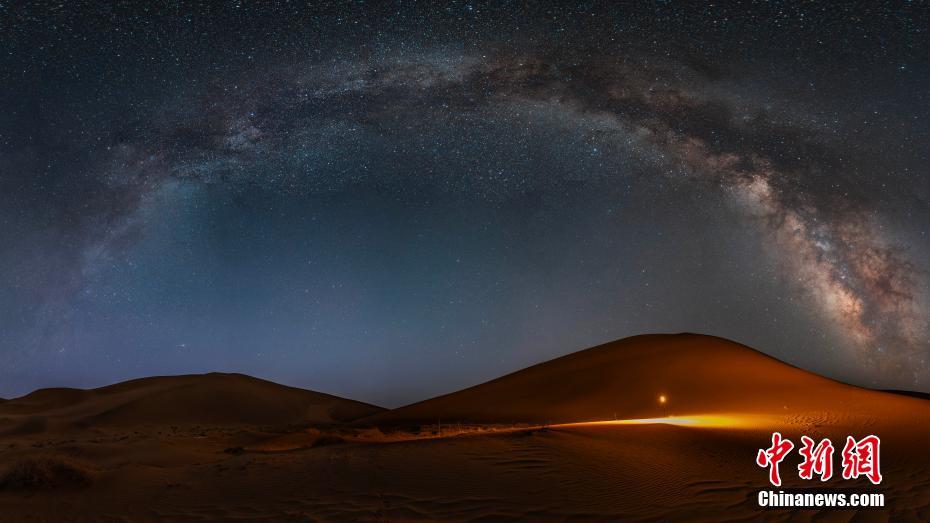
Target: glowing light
<point>701,420</point>
<point>662,399</point>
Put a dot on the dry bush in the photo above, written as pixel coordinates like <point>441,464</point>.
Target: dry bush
<point>44,473</point>
<point>326,439</point>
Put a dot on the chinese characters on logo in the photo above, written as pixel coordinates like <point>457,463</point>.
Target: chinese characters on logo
<point>817,460</point>
<point>860,458</point>
<point>772,456</point>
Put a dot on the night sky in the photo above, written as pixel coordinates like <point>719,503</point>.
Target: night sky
<point>392,201</point>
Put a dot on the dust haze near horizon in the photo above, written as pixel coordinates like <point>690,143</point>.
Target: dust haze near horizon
<point>390,203</point>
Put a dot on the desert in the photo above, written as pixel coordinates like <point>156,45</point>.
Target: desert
<point>582,437</point>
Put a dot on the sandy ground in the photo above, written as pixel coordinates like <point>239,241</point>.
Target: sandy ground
<point>469,470</point>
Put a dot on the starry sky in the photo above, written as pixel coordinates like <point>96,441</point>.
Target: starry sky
<point>389,201</point>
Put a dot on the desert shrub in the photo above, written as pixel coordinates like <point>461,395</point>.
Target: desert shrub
<point>44,473</point>
<point>528,432</point>
<point>326,439</point>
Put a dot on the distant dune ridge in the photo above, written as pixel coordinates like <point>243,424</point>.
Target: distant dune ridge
<point>697,374</point>
<point>191,399</point>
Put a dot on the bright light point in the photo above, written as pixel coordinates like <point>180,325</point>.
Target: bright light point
<point>662,399</point>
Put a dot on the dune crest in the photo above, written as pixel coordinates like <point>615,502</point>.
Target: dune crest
<point>696,374</point>
<point>216,398</point>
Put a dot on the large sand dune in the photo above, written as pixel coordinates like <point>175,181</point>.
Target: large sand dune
<point>625,379</point>
<point>208,399</point>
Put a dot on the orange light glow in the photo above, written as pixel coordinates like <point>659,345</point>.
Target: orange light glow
<point>702,420</point>
<point>662,399</point>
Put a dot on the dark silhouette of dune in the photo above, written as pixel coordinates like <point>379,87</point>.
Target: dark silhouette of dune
<point>909,393</point>
<point>230,399</point>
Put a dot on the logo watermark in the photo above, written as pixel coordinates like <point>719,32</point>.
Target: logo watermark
<point>858,458</point>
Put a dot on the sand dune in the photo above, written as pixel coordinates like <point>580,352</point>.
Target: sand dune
<point>230,399</point>
<point>624,379</point>
<point>242,458</point>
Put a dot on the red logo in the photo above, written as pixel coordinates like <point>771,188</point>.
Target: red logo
<point>860,458</point>
<point>772,456</point>
<point>817,460</point>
